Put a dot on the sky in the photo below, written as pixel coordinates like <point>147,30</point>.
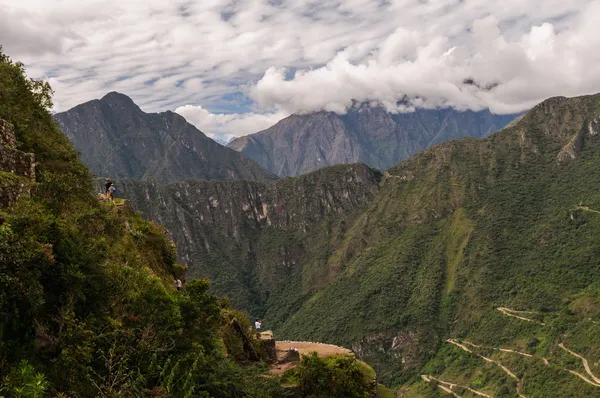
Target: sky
<point>235,67</point>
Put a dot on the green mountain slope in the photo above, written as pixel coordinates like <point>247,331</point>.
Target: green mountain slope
<point>88,306</point>
<point>444,240</point>
<point>464,228</point>
<point>250,237</point>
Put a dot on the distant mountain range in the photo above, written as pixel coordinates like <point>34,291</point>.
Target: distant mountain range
<point>117,139</point>
<point>369,134</point>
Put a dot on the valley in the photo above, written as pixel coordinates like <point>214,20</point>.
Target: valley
<point>444,245</point>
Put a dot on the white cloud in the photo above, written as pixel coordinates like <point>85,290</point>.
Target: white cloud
<point>431,70</point>
<point>166,54</point>
<point>230,125</point>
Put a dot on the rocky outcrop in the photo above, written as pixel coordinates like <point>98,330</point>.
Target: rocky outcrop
<point>17,168</point>
<point>117,139</point>
<point>303,143</point>
<point>227,231</point>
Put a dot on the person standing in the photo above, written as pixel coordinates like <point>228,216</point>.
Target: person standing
<point>111,192</point>
<point>178,284</point>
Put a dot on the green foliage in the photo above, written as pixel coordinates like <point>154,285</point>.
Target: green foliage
<point>86,288</point>
<point>23,381</point>
<point>331,377</point>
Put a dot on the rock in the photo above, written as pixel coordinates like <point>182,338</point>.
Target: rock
<point>291,355</point>
<point>17,168</point>
<point>269,350</point>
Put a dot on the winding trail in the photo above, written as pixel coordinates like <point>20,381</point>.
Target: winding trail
<point>450,386</point>
<point>507,350</point>
<point>586,365</point>
<point>504,368</point>
<point>512,313</point>
<point>443,387</point>
<point>585,208</point>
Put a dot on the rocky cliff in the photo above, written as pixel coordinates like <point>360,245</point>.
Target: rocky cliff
<point>367,134</point>
<point>117,139</point>
<point>17,168</point>
<point>248,236</point>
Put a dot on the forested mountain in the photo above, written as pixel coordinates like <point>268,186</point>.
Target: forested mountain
<point>491,243</point>
<point>88,305</point>
<point>117,139</point>
<point>369,134</point>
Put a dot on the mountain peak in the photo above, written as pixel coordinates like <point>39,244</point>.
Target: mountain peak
<point>116,138</point>
<point>119,99</point>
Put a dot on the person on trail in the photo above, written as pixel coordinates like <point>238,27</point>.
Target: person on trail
<point>178,284</point>
<point>111,192</point>
<point>257,324</point>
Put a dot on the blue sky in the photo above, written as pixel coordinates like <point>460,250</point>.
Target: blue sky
<point>236,67</point>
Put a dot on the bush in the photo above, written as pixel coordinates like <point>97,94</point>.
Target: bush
<point>335,376</point>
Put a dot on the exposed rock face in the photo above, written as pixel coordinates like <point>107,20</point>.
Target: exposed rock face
<point>244,234</point>
<point>17,169</point>
<point>117,139</point>
<point>303,143</point>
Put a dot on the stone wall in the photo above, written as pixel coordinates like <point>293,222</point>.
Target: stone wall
<point>17,168</point>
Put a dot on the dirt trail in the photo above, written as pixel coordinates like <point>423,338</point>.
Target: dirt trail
<point>450,386</point>
<point>443,387</point>
<point>506,350</point>
<point>509,312</point>
<point>504,368</point>
<point>586,365</point>
<point>585,208</point>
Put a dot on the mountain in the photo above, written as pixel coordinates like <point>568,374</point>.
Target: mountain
<point>248,236</point>
<point>88,303</point>
<point>472,263</point>
<point>302,143</point>
<point>117,139</point>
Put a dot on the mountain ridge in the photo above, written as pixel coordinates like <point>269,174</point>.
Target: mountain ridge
<point>450,235</point>
<point>117,139</point>
<point>305,142</point>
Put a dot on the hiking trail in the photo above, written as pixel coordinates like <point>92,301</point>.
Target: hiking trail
<point>585,208</point>
<point>586,365</point>
<point>450,386</point>
<point>504,368</point>
<point>507,350</point>
<point>513,313</point>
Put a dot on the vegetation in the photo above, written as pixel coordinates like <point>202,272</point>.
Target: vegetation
<point>453,234</point>
<point>88,306</point>
<point>460,230</point>
<point>332,377</point>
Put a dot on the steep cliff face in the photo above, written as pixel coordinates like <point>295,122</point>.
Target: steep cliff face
<point>303,143</point>
<point>17,168</point>
<point>117,139</point>
<point>248,237</point>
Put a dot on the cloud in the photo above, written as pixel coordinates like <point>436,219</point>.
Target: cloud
<point>228,126</point>
<point>487,70</point>
<point>166,54</point>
